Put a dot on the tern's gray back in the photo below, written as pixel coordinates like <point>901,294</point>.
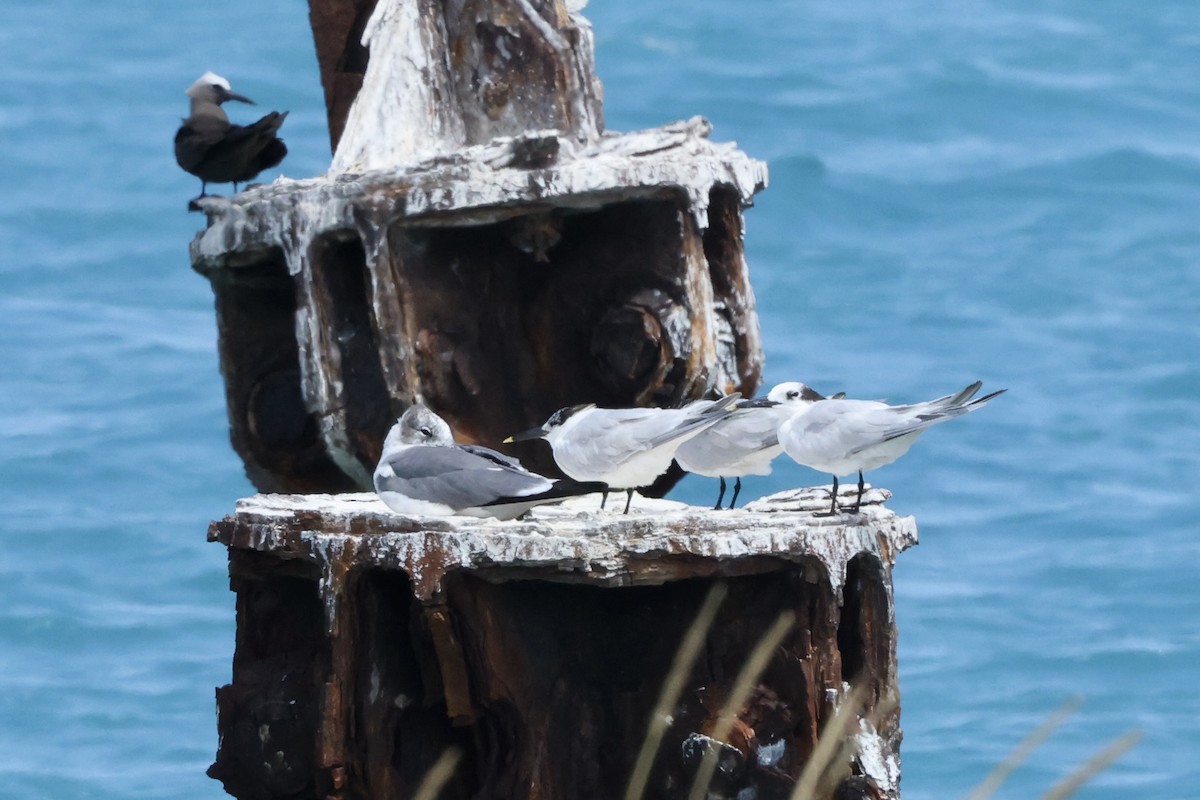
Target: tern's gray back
<point>598,439</point>
<point>726,444</point>
<point>627,447</point>
<point>605,437</point>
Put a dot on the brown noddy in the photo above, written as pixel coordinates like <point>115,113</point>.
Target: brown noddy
<point>215,150</point>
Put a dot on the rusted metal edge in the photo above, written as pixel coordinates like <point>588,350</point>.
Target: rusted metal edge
<point>570,543</point>
<point>486,180</point>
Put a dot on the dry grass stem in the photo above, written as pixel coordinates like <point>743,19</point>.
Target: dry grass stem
<point>438,775</point>
<point>1094,766</point>
<point>681,668</point>
<point>996,778</point>
<point>829,744</point>
<point>759,658</point>
<point>839,768</point>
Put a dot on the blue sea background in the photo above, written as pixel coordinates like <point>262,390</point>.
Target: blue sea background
<point>1005,191</point>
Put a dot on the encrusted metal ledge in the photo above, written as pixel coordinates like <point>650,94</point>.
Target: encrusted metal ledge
<point>574,542</point>
<point>481,184</point>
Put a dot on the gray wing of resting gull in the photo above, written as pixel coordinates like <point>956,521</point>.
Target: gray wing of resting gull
<point>626,448</point>
<point>213,149</point>
<point>841,437</point>
<point>747,441</point>
<point>423,471</point>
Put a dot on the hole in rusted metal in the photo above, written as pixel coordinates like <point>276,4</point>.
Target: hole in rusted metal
<point>862,630</point>
<point>339,265</point>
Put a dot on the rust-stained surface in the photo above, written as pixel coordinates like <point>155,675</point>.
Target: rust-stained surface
<point>442,75</point>
<point>337,27</point>
<point>496,290</point>
<point>368,642</point>
<point>510,66</point>
<point>273,431</point>
<point>519,65</point>
<point>479,241</point>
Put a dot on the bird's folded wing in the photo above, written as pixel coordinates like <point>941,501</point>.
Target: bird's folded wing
<point>694,418</point>
<point>682,428</point>
<point>195,137</point>
<point>941,403</point>
<point>739,436</point>
<point>753,430</point>
<point>626,430</point>
<point>265,127</point>
<point>492,455</point>
<point>456,477</point>
<point>844,427</point>
<point>887,424</point>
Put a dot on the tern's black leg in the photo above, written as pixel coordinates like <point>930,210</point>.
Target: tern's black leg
<point>628,500</point>
<point>737,489</point>
<point>858,502</point>
<point>603,499</point>
<point>720,496</point>
<point>833,507</point>
<point>235,183</point>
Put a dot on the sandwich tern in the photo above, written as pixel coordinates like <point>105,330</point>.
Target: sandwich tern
<point>626,448</point>
<point>842,437</point>
<point>747,441</point>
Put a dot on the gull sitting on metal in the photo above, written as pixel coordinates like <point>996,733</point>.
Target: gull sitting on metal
<point>215,150</point>
<point>626,448</point>
<point>424,471</point>
<point>747,441</point>
<point>842,437</point>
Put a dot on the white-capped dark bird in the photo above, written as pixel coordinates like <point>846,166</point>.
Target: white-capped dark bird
<point>747,441</point>
<point>842,437</point>
<point>422,470</point>
<point>215,150</point>
<point>626,448</point>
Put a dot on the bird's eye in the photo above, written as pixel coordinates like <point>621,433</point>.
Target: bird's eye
<point>426,432</point>
<point>217,86</point>
<point>792,395</point>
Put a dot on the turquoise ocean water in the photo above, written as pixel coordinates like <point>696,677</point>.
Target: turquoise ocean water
<point>1006,191</point>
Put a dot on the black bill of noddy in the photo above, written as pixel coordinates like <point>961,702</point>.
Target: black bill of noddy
<point>215,150</point>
